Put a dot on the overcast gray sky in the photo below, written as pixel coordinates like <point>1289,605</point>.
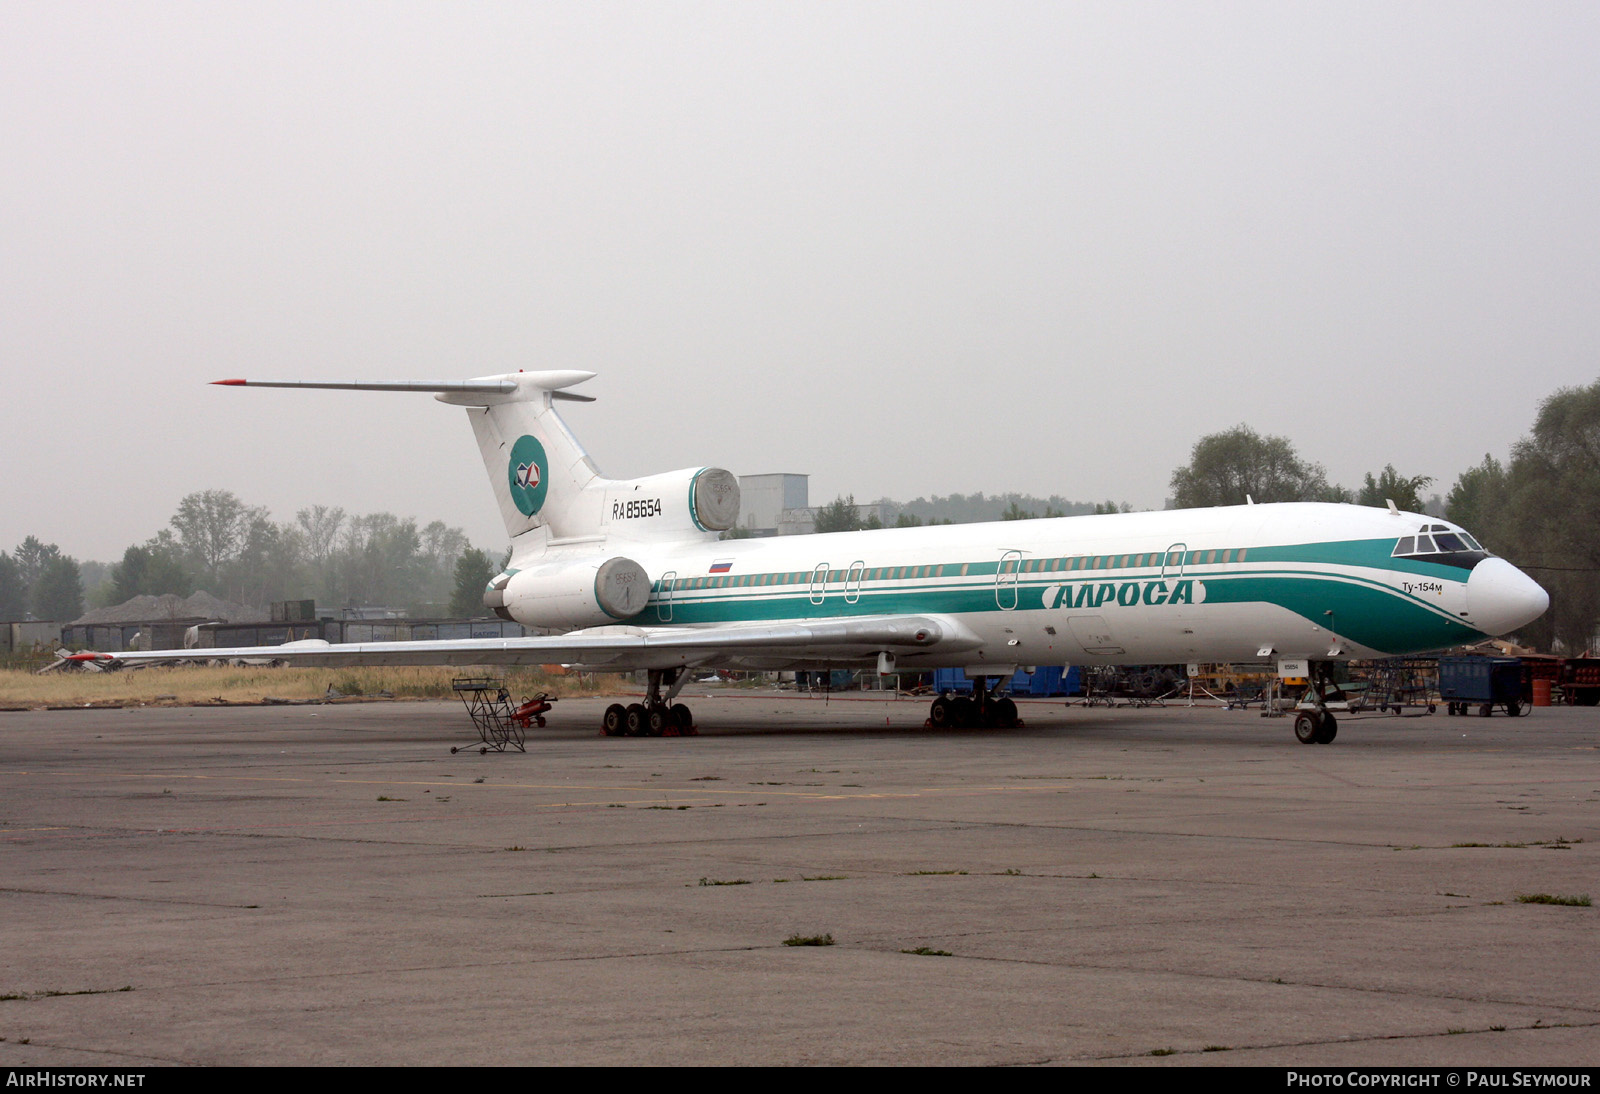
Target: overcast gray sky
<point>907,248</point>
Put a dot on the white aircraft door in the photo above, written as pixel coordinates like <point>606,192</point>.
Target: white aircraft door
<point>852,581</point>
<point>819,583</point>
<point>1172,562</point>
<point>664,600</point>
<point>1005,580</point>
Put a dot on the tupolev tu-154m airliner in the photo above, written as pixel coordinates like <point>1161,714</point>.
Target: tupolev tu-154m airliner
<point>634,576</point>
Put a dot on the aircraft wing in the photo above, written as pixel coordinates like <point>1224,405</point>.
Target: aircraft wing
<point>616,648</point>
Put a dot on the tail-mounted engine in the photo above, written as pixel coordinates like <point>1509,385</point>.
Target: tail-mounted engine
<point>570,594</point>
<point>687,502</point>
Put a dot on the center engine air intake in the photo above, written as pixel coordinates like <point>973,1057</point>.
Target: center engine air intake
<point>714,497</point>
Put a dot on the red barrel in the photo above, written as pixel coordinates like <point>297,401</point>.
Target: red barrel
<point>1541,693</point>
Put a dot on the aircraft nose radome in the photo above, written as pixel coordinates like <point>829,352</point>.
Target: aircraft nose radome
<point>1501,598</point>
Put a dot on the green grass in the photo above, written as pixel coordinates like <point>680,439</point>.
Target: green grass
<point>1580,901</point>
<point>928,951</point>
<point>720,881</point>
<point>809,940</point>
<point>198,684</point>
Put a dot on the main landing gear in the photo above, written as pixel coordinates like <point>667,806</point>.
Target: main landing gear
<point>986,708</point>
<point>658,715</point>
<point>1314,723</point>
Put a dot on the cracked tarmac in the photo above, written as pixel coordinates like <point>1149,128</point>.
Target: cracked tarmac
<point>328,884</point>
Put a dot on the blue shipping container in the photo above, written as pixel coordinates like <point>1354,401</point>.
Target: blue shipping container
<point>1045,681</point>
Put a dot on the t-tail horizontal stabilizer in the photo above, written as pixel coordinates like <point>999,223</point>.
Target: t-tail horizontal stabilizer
<point>547,381</point>
<point>548,488</point>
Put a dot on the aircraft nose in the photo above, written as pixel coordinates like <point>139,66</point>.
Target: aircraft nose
<point>1501,598</point>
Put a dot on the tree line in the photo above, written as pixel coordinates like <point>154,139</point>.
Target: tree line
<point>38,580</point>
<point>218,543</point>
<point>1540,511</point>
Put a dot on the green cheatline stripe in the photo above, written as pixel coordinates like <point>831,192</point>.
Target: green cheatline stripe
<point>923,593</point>
<point>1365,611</point>
<point>1368,553</point>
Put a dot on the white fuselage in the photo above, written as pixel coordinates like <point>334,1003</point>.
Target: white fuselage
<point>1227,584</point>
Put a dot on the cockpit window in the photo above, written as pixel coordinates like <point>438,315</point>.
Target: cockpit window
<point>1437,543</point>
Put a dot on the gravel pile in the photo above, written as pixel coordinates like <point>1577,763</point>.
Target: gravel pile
<point>202,605</point>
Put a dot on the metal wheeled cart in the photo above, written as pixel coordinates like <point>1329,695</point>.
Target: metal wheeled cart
<point>1479,684</point>
<point>499,724</point>
<point>1580,681</point>
<point>1395,683</point>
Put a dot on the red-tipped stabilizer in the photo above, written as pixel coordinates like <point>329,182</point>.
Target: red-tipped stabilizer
<point>231,383</point>
<point>87,657</point>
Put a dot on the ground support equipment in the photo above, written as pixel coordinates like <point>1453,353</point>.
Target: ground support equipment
<point>1400,682</point>
<point>1479,684</point>
<point>488,703</point>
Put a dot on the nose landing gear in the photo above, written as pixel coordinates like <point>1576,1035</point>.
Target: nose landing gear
<point>1314,723</point>
<point>1315,727</point>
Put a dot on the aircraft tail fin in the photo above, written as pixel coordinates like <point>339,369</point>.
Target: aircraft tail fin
<point>543,480</point>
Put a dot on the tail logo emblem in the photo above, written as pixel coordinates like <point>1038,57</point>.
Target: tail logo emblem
<point>526,475</point>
